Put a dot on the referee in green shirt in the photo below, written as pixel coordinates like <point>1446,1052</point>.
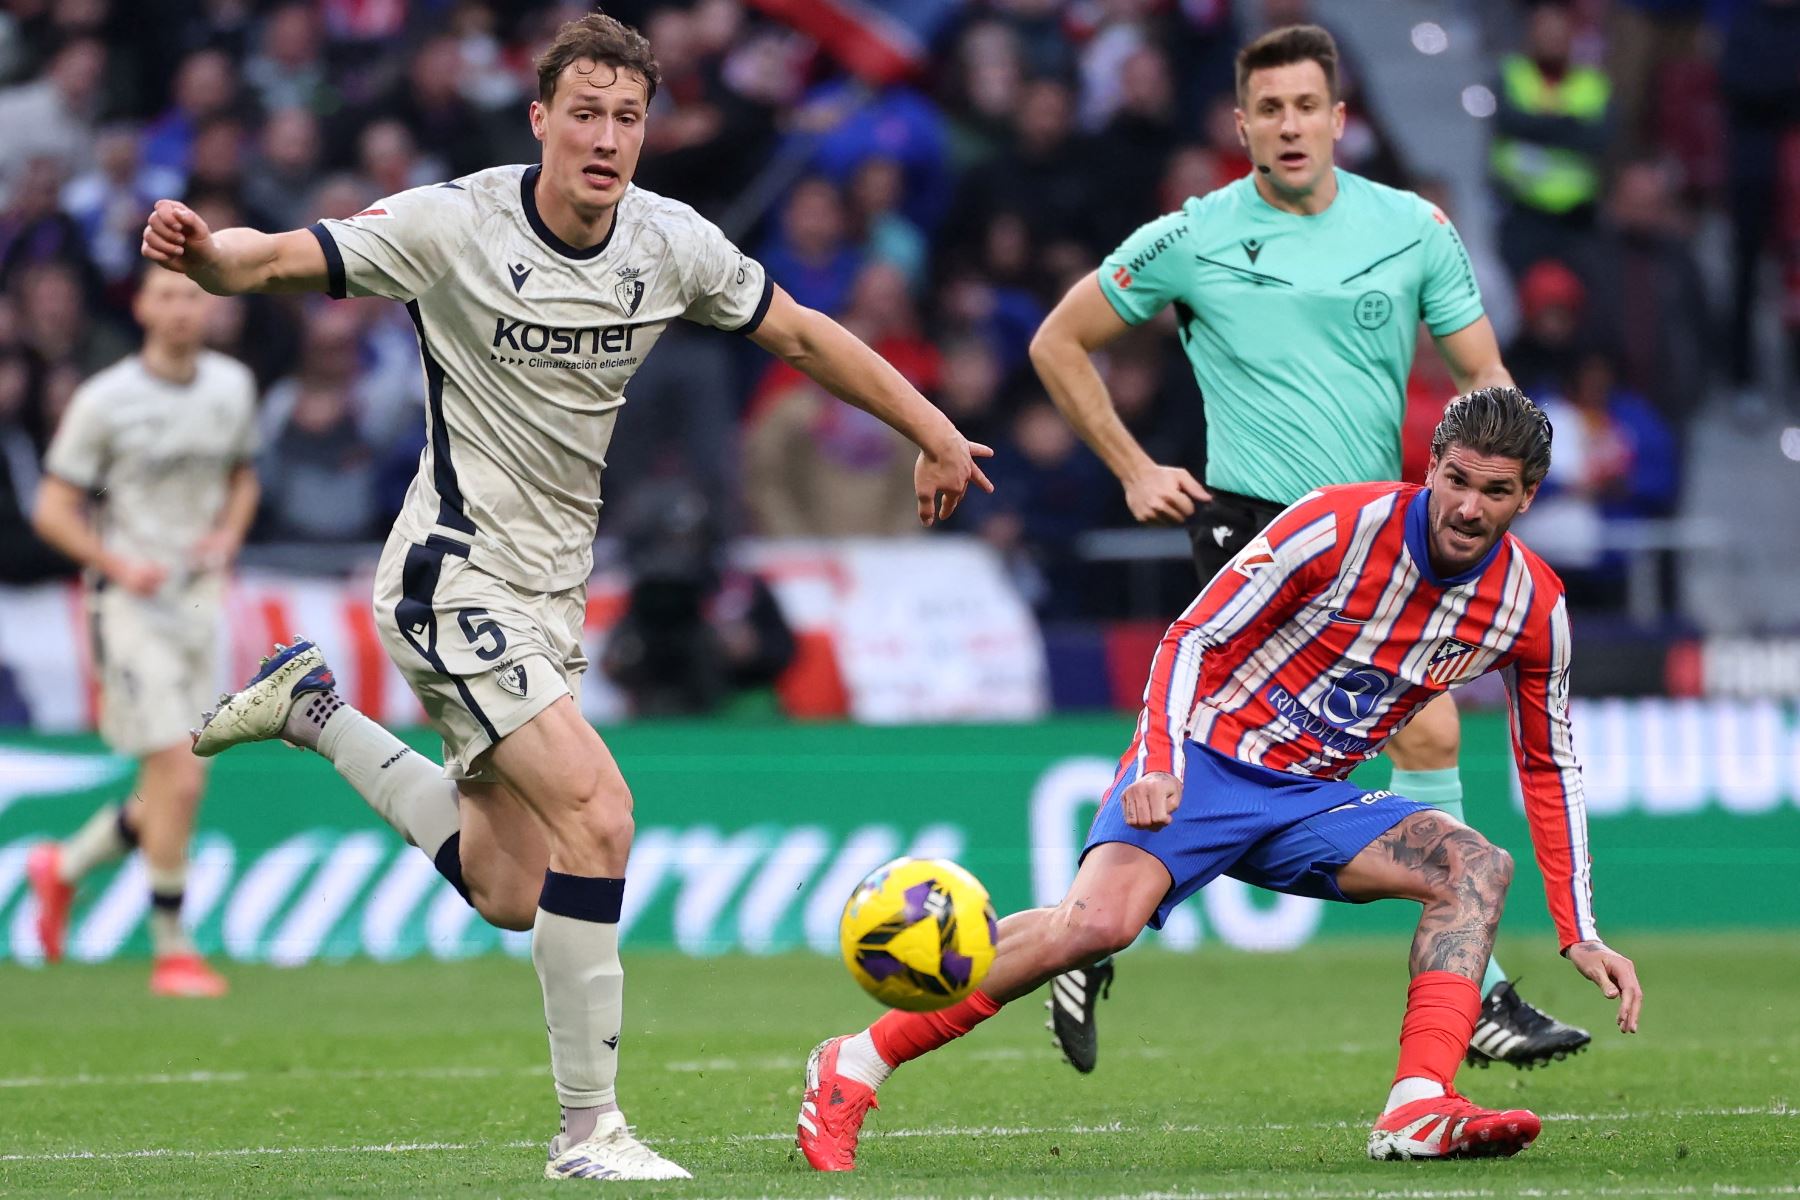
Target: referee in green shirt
<point>1297,291</point>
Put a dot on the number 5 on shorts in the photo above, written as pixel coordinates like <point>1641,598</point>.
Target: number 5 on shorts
<point>474,631</point>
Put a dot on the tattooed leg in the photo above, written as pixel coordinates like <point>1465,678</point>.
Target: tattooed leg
<point>1459,876</point>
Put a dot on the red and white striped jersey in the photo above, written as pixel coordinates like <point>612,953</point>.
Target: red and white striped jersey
<point>1324,636</point>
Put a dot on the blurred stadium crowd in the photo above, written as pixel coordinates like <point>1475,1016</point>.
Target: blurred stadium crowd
<point>938,215</point>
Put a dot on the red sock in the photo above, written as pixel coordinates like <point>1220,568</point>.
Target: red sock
<point>1441,1009</point>
<point>903,1036</point>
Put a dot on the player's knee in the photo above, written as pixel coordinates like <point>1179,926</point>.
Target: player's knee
<point>1477,869</point>
<point>1087,935</point>
<point>598,830</point>
<point>1432,741</point>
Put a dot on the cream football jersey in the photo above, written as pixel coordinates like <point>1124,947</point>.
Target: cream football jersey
<point>157,454</point>
<point>528,343</point>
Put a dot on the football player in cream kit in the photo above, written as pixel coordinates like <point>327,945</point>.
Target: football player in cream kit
<point>148,485</point>
<point>536,292</point>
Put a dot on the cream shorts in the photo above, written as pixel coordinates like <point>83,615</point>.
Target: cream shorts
<point>483,656</point>
<point>157,663</point>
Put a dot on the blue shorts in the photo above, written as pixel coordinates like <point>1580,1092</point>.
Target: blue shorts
<point>1287,833</point>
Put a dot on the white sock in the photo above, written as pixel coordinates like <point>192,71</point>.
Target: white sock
<point>97,842</point>
<point>1413,1087</point>
<point>576,952</point>
<point>168,936</point>
<point>407,789</point>
<point>859,1060</point>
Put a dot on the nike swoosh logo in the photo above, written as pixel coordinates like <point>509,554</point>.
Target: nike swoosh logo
<point>1341,619</point>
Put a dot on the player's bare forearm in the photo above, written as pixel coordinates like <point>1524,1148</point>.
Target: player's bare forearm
<point>843,365</point>
<point>1473,355</point>
<point>231,262</point>
<point>59,517</point>
<point>1082,322</point>
<point>1068,374</point>
<point>249,260</point>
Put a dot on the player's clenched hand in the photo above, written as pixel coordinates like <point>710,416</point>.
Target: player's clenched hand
<point>1615,976</point>
<point>1150,803</point>
<point>940,478</point>
<point>1163,495</point>
<point>175,237</point>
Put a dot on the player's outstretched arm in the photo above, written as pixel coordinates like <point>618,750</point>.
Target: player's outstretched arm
<point>1614,975</point>
<point>231,262</point>
<point>839,362</point>
<point>1081,323</point>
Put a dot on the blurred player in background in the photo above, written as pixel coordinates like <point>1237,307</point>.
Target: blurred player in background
<point>536,292</point>
<point>1359,605</point>
<point>1298,290</point>
<point>148,486</point>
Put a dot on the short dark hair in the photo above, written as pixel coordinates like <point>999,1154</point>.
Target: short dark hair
<point>1500,421</point>
<point>1285,46</point>
<point>602,39</point>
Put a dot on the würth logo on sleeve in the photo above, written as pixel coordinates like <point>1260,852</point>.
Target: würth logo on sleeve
<point>629,290</point>
<point>1448,660</point>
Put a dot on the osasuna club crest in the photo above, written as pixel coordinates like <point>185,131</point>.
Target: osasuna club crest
<point>1448,660</point>
<point>512,678</point>
<point>629,290</point>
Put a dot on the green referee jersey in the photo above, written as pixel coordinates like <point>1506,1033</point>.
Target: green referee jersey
<point>1300,329</point>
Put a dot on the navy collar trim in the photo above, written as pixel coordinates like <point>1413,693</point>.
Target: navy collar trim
<point>528,201</point>
<point>1418,544</point>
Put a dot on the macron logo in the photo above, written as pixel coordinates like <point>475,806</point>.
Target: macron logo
<point>520,272</point>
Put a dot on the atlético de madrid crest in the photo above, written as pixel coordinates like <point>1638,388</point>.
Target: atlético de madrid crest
<point>629,290</point>
<point>1448,660</point>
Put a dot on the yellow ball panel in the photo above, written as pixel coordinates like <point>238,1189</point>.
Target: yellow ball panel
<point>918,934</point>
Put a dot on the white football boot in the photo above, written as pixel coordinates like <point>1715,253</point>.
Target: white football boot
<point>610,1152</point>
<point>259,710</point>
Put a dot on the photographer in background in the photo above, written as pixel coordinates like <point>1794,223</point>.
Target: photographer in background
<point>696,630</point>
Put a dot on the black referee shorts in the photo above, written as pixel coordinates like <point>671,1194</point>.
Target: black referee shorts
<point>1222,526</point>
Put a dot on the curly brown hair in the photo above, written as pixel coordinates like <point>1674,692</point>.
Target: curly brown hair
<point>600,39</point>
<point>1497,421</point>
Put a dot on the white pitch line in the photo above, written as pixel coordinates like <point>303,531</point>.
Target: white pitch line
<point>214,1077</point>
<point>944,1131</point>
<point>260,1151</point>
<point>691,1066</point>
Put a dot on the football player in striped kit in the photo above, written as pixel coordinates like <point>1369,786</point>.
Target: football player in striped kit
<point>1298,291</point>
<point>1352,610</point>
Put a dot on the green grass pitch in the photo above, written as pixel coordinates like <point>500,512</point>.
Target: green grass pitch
<point>1221,1075</point>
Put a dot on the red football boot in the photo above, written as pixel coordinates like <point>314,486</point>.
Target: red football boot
<point>1448,1126</point>
<point>43,867</point>
<point>185,975</point>
<point>831,1111</point>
